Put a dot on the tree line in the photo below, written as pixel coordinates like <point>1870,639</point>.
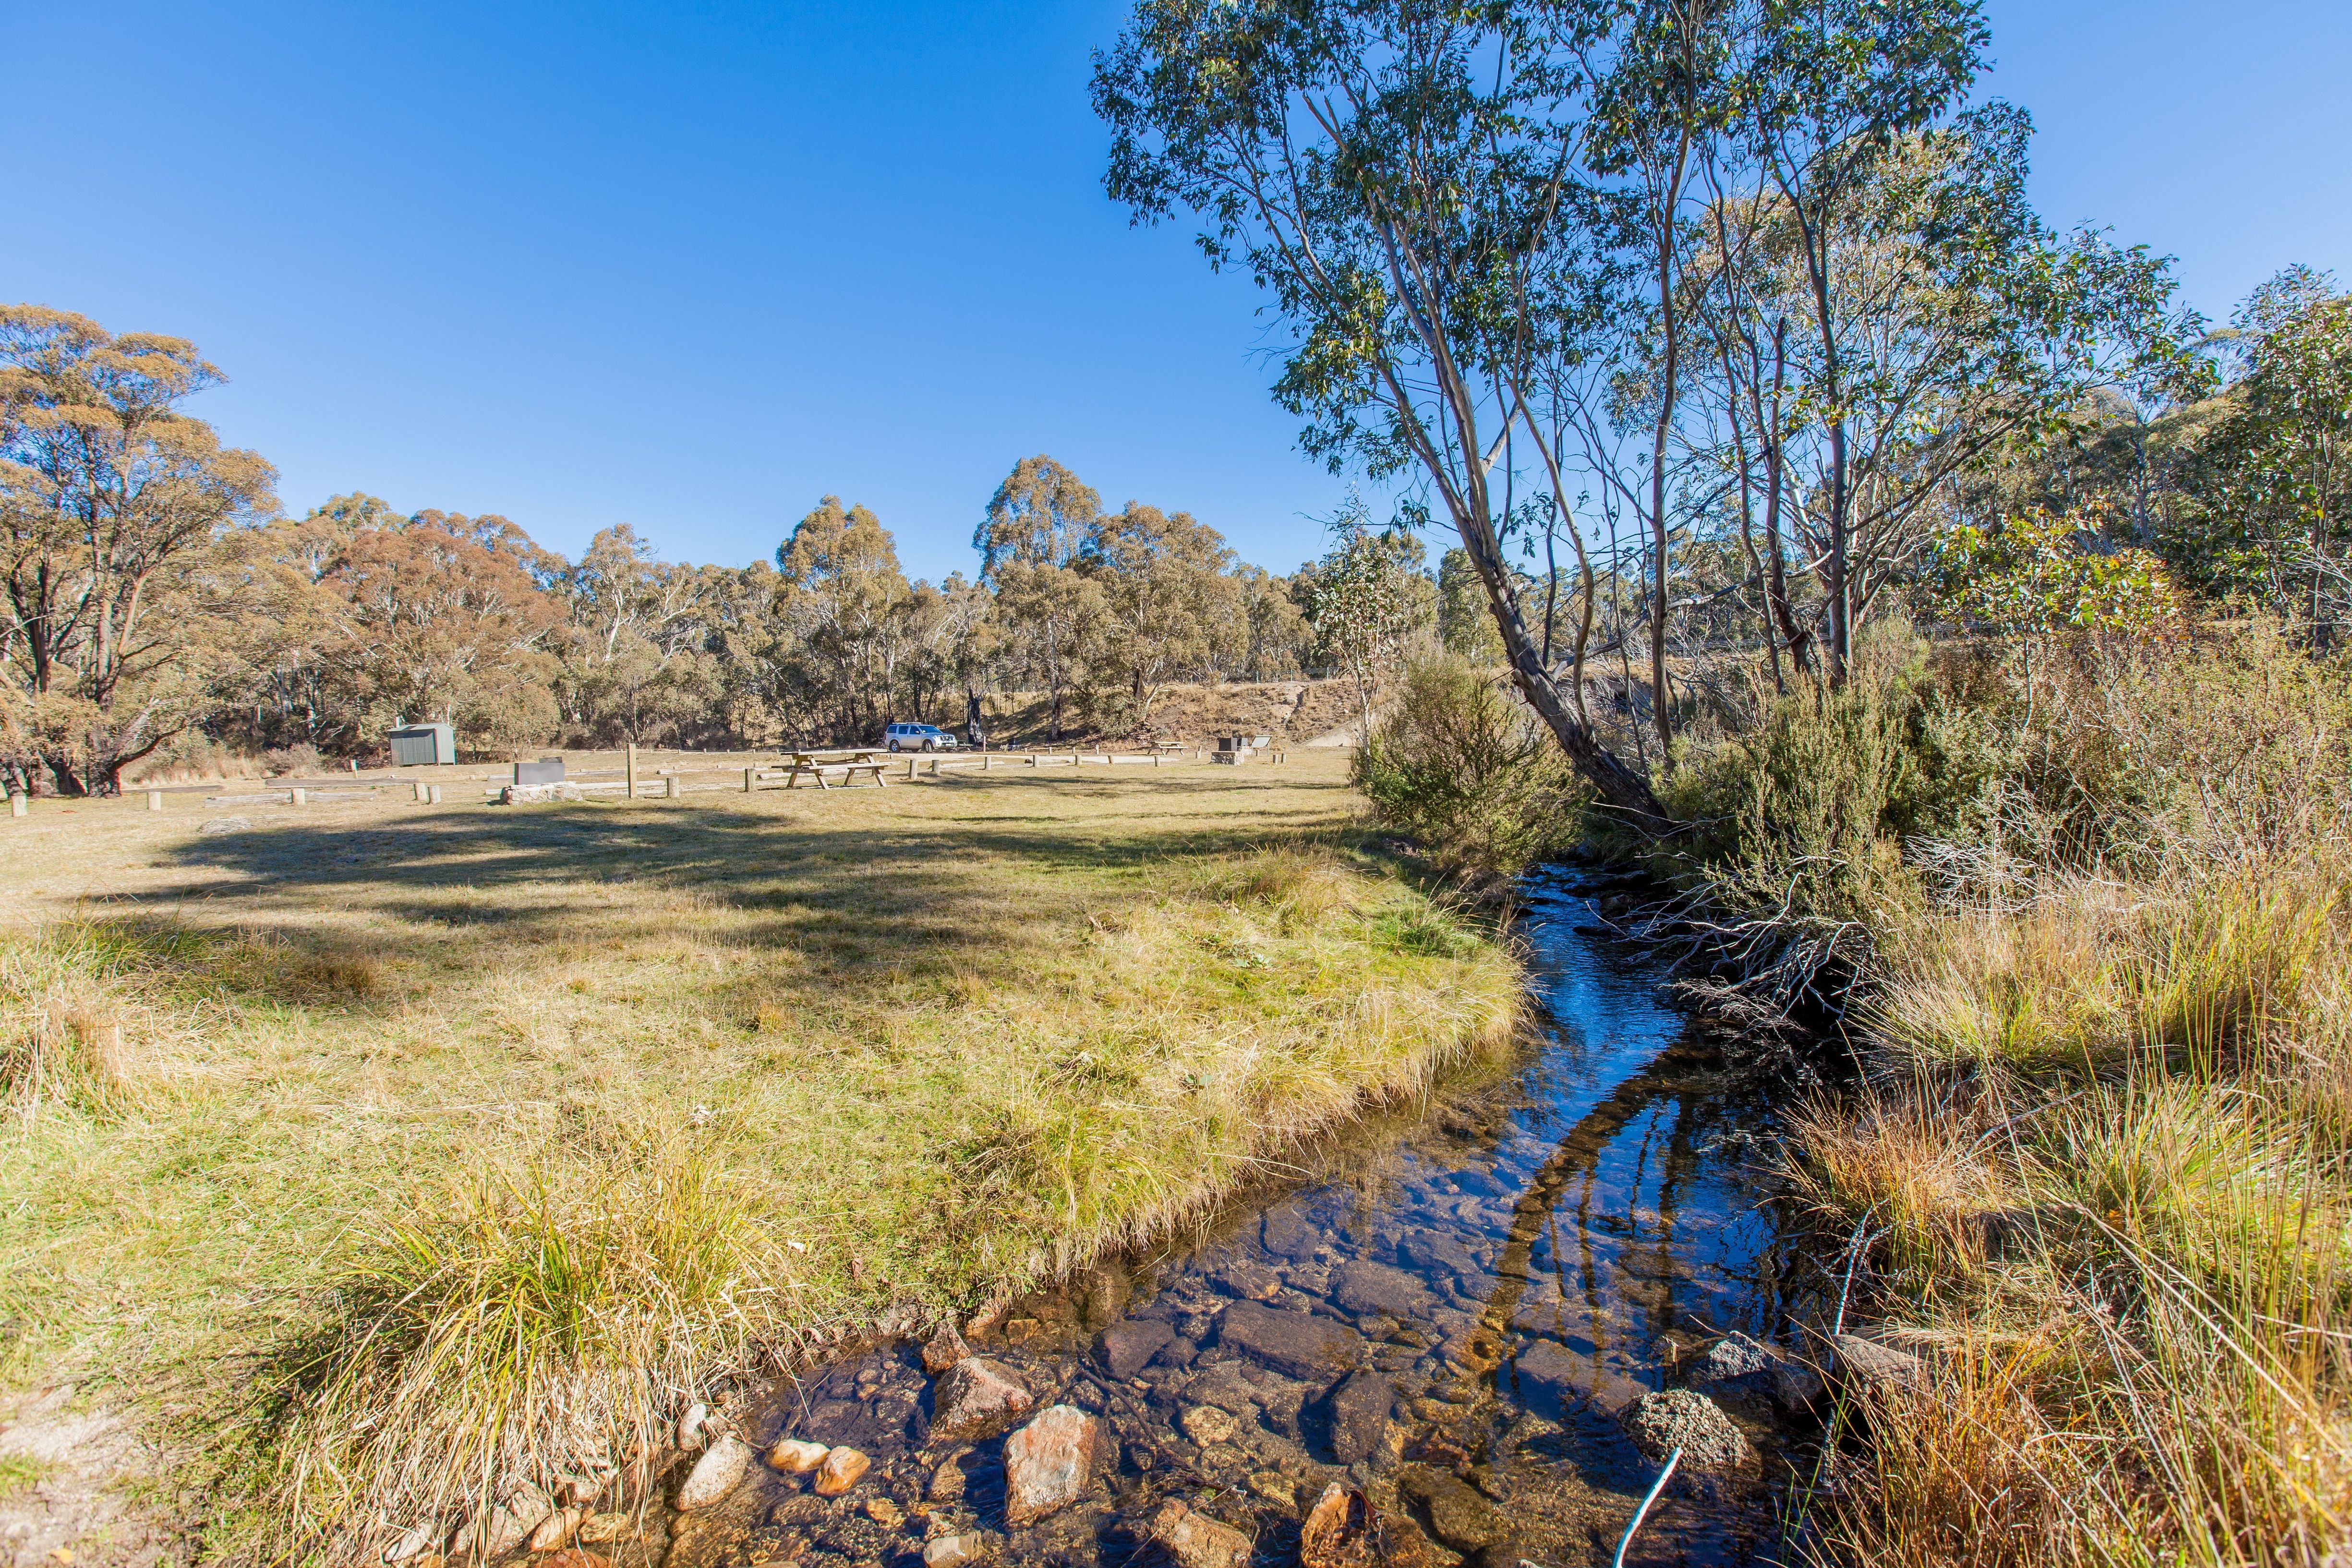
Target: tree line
<point>1726,325</point>
<point>158,598</point>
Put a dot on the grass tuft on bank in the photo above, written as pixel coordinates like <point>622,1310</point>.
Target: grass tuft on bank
<point>408,1155</point>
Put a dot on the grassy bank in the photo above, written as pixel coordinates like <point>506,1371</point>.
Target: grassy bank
<point>2095,1170</point>
<point>387,1153</point>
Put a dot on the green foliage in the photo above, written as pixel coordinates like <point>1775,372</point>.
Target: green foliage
<point>2035,576</point>
<point>1465,626</point>
<point>1465,769</point>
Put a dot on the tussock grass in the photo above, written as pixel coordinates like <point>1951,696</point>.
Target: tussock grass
<point>470,1145</point>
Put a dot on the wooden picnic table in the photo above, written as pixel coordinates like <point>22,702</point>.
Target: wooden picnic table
<point>847,765</point>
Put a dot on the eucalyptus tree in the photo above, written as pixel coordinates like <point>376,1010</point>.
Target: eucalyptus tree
<point>1941,319</point>
<point>1031,544</point>
<point>1391,175</point>
<point>116,508</point>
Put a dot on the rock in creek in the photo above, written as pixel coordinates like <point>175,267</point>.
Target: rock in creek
<point>1196,1540</point>
<point>1737,1367</point>
<point>977,1398</point>
<point>1206,1425</point>
<point>1457,1516</point>
<point>1049,1462</point>
<point>718,1472</point>
<point>1359,1411</point>
<point>1677,1418</point>
<point>1573,1379</point>
<point>1344,1531</point>
<point>1124,1348</point>
<point>1363,1286</point>
<point>955,1550</point>
<point>841,1470</point>
<point>1296,1343</point>
<point>796,1457</point>
<point>1879,1368</point>
<point>943,1349</point>
<point>572,1557</point>
<point>689,1426</point>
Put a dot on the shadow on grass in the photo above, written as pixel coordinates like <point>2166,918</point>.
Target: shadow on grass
<point>931,895</point>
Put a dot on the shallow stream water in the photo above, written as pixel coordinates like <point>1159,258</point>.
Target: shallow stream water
<point>1513,1261</point>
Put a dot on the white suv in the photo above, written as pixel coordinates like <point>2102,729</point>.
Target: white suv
<point>917,738</point>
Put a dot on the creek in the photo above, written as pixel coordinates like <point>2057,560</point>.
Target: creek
<point>1450,1311</point>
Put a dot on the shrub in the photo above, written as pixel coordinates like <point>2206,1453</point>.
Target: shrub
<point>1467,770</point>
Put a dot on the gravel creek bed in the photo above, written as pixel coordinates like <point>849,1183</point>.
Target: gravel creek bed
<point>1455,1319</point>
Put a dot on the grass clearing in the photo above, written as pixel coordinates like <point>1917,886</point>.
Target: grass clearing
<point>408,1153</point>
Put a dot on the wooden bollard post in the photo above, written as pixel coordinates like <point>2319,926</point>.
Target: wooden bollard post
<point>297,796</point>
<point>750,774</point>
<point>629,772</point>
<point>15,805</point>
<point>154,800</point>
<point>417,786</point>
<point>910,770</point>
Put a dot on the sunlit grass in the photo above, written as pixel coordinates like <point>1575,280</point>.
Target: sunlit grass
<point>436,1150</point>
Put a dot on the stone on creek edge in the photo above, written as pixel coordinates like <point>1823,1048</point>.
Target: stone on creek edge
<point>1575,1379</point>
<point>1868,1365</point>
<point>1359,1410</point>
<point>718,1472</point>
<point>943,1349</point>
<point>1363,1286</point>
<point>1458,1516</point>
<point>554,1531</point>
<point>1124,1348</point>
<point>1250,1281</point>
<point>976,1398</point>
<point>1736,1366</point>
<point>1196,1540</point>
<point>1049,1462</point>
<point>1677,1418</point>
<point>1296,1343</point>
<point>841,1470</point>
<point>572,1557</point>
<point>796,1456</point>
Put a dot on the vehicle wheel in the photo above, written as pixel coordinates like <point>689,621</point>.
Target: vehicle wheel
<point>894,745</point>
<point>930,745</point>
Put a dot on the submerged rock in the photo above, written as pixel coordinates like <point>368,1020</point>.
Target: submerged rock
<point>955,1550</point>
<point>1363,1286</point>
<point>714,1475</point>
<point>1124,1348</point>
<point>977,1398</point>
<point>1049,1462</point>
<point>1296,1343</point>
<point>1207,1426</point>
<point>1458,1516</point>
<point>1677,1418</point>
<point>1343,1530</point>
<point>1196,1540</point>
<point>1359,1411</point>
<point>1574,1379</point>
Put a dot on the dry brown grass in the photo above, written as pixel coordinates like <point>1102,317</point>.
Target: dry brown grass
<point>469,1143</point>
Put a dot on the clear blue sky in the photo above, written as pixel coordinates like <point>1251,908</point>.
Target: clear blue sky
<point>692,266</point>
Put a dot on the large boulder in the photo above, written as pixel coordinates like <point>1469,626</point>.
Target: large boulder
<point>1677,1418</point>
<point>977,1397</point>
<point>1298,1343</point>
<point>1196,1540</point>
<point>539,795</point>
<point>1049,1463</point>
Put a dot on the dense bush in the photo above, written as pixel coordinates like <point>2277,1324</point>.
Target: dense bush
<point>1462,765</point>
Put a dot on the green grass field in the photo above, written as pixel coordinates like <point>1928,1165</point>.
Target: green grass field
<point>381,1151</point>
